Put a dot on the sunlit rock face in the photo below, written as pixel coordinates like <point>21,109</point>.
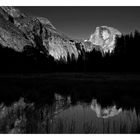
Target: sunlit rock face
<point>10,35</point>
<point>104,37</point>
<point>19,31</point>
<point>104,112</point>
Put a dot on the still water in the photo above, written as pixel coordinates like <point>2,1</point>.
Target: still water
<point>71,103</point>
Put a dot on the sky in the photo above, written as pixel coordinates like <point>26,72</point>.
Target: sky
<point>80,22</point>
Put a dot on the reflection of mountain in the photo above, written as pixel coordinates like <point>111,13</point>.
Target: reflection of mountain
<point>22,117</point>
<point>62,103</point>
<point>104,112</point>
<point>92,118</point>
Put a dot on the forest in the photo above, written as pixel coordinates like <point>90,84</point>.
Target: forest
<point>124,58</point>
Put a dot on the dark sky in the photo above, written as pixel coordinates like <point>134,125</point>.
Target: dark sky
<point>80,22</point>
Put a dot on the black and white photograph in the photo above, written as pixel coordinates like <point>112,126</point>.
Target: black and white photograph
<point>69,69</point>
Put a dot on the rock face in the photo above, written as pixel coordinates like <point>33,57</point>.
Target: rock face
<point>20,31</point>
<point>104,37</point>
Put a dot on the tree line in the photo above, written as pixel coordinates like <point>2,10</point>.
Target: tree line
<point>125,58</point>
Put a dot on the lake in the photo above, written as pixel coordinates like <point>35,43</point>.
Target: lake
<point>70,103</point>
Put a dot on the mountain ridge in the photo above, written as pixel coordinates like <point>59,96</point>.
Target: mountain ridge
<point>20,31</point>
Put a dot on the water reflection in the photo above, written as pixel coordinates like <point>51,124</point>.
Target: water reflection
<point>63,103</point>
<point>92,118</point>
<point>70,104</point>
<point>104,112</point>
<point>64,117</point>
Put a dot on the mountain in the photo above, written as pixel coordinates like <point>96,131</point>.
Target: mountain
<point>22,32</point>
<point>104,37</point>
